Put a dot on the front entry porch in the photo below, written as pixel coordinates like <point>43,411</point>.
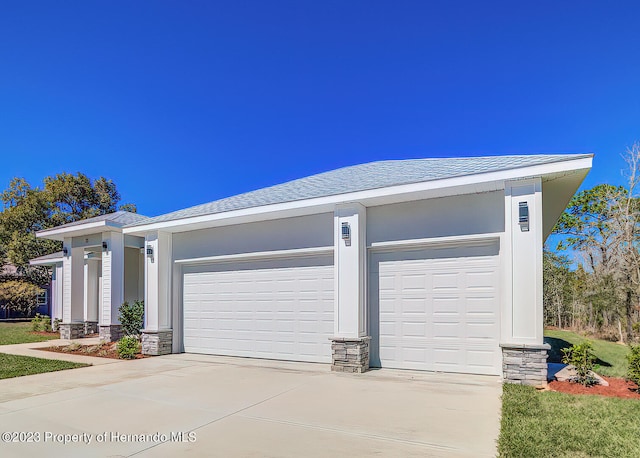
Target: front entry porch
<point>98,269</point>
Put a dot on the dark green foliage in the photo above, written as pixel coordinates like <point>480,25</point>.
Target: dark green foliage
<point>64,198</point>
<point>41,323</point>
<point>633,368</point>
<point>581,356</point>
<point>128,347</point>
<point>132,317</point>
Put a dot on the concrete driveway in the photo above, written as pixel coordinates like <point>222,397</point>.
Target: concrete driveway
<point>198,405</point>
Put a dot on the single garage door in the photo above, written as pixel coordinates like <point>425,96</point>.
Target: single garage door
<point>276,309</point>
<point>437,309</point>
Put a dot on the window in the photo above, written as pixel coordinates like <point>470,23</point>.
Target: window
<point>42,298</point>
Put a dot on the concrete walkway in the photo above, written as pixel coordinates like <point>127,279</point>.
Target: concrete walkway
<point>214,406</point>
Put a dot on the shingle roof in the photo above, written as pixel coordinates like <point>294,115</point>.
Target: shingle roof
<point>120,218</point>
<point>49,257</point>
<point>364,177</point>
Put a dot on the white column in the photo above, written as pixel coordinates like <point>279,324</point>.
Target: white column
<point>56,291</point>
<point>350,271</point>
<point>91,290</point>
<point>523,309</point>
<point>158,265</point>
<point>112,278</point>
<point>72,283</point>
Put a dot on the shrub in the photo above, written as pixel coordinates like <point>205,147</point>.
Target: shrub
<point>35,322</point>
<point>581,356</point>
<point>56,324</point>
<point>127,347</point>
<point>41,323</point>
<point>132,318</point>
<point>633,369</point>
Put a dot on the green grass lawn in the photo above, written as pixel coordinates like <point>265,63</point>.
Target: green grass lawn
<point>17,366</point>
<point>549,424</point>
<point>611,355</point>
<point>16,333</point>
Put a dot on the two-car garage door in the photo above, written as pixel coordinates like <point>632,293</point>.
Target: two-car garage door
<point>276,309</point>
<point>433,309</point>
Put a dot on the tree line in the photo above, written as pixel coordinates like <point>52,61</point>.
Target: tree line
<point>63,198</point>
<point>597,288</point>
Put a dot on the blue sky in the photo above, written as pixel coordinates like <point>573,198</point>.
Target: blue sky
<point>184,102</point>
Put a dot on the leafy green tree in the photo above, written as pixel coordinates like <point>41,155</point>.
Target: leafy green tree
<point>19,296</point>
<point>64,198</point>
<point>602,225</point>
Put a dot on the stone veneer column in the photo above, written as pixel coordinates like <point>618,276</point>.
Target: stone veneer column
<point>72,326</point>
<point>157,335</point>
<point>525,364</point>
<point>350,344</point>
<point>112,286</point>
<point>156,343</point>
<point>524,354</point>
<point>350,355</point>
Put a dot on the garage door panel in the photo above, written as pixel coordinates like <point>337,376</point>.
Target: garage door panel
<point>436,309</point>
<point>280,309</point>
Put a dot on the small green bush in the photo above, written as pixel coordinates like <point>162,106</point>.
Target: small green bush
<point>128,347</point>
<point>581,356</point>
<point>633,369</point>
<point>56,324</point>
<point>41,323</point>
<point>35,323</point>
<point>132,318</point>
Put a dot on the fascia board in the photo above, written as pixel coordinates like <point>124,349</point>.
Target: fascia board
<point>61,233</point>
<point>46,262</point>
<point>372,194</point>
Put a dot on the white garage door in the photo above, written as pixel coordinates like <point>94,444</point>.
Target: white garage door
<point>437,309</point>
<point>269,309</point>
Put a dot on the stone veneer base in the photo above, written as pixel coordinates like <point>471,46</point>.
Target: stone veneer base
<point>110,332</point>
<point>525,364</point>
<point>90,327</point>
<point>156,343</point>
<point>350,354</point>
<point>71,330</point>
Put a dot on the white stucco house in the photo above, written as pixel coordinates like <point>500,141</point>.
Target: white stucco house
<point>427,264</point>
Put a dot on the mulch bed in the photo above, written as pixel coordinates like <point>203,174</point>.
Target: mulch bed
<point>618,388</point>
<point>43,333</point>
<point>107,350</point>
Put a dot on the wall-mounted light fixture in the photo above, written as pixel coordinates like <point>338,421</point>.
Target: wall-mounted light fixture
<point>65,251</point>
<point>523,216</point>
<point>149,251</point>
<point>346,233</point>
<point>104,246</point>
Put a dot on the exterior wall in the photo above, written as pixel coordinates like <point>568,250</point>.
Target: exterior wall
<point>133,289</point>
<point>283,234</point>
<point>442,217</point>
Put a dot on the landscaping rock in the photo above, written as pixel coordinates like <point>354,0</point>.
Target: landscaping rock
<point>568,374</point>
